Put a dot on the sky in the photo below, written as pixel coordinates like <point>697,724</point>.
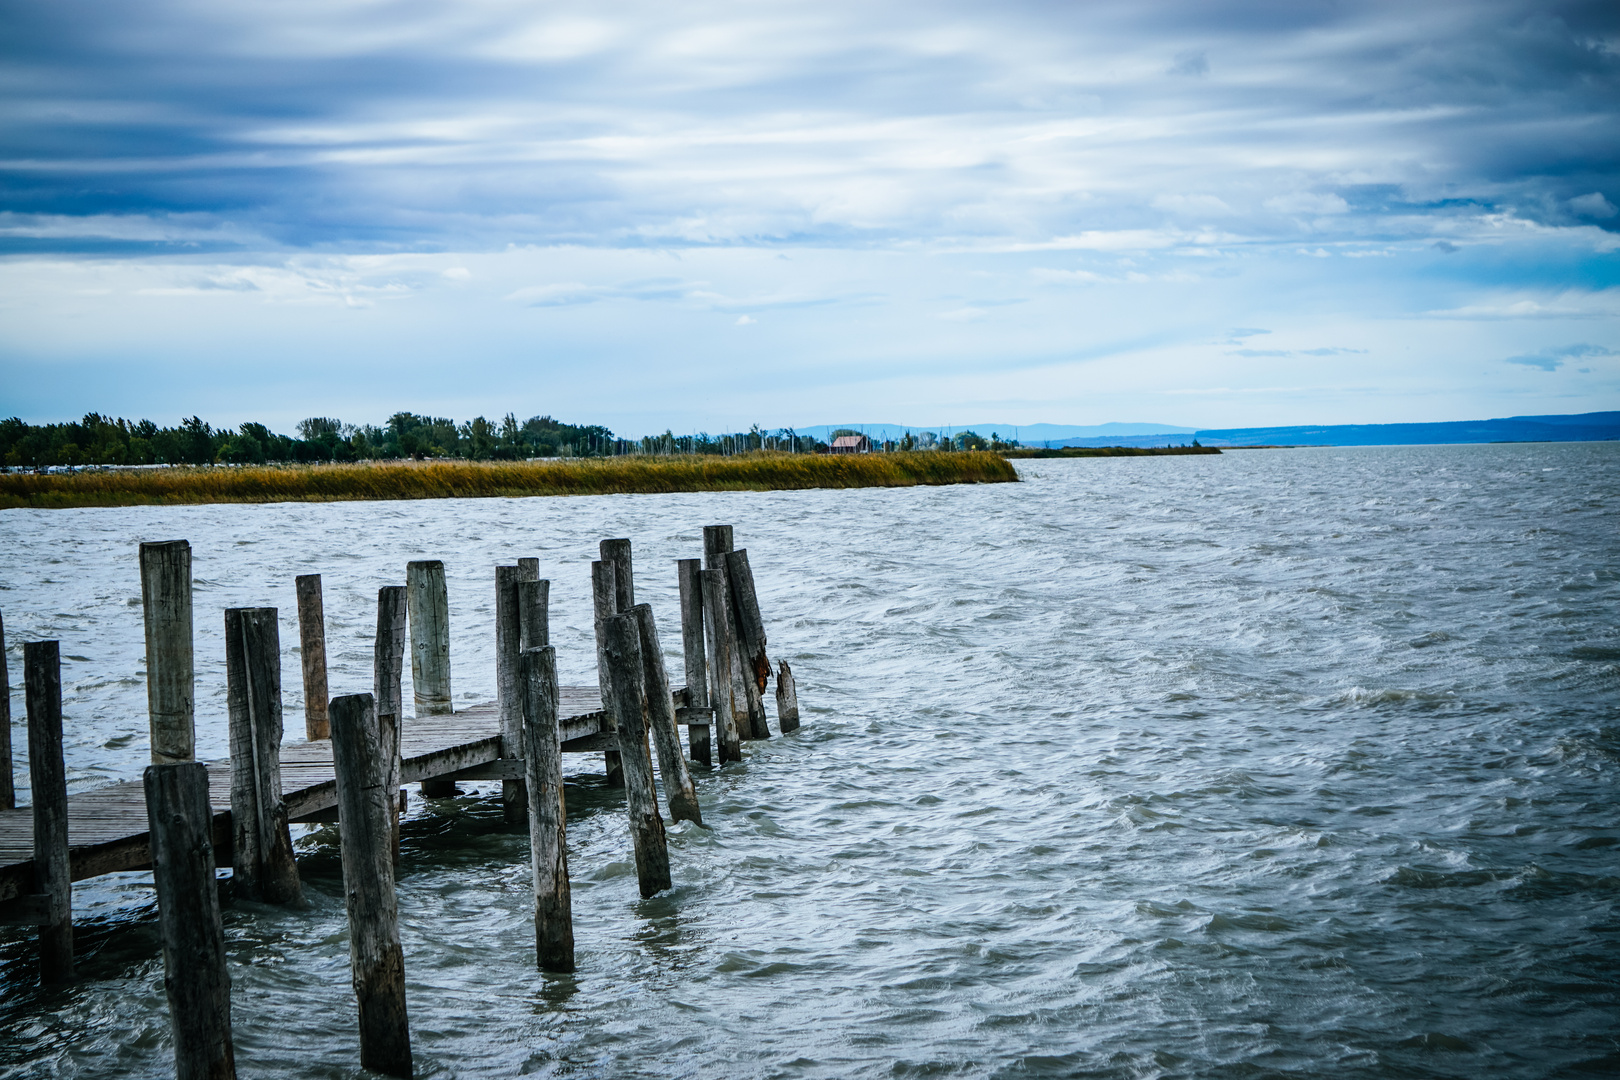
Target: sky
<point>708,215</point>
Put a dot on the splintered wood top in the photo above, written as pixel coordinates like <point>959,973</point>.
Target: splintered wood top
<point>107,828</point>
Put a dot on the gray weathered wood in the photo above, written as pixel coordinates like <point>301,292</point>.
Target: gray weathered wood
<point>666,737</point>
<point>534,614</point>
<point>787,699</point>
<point>170,670</point>
<point>716,542</point>
<point>312,654</point>
<point>195,976</point>
<point>261,841</point>
<point>722,694</point>
<point>376,959</point>
<point>617,552</point>
<point>508,684</point>
<point>750,630</point>
<point>603,601</point>
<point>47,773</point>
<point>627,673</point>
<point>387,673</point>
<point>428,605</point>
<point>548,830</point>
<point>688,572</point>
<point>8,784</point>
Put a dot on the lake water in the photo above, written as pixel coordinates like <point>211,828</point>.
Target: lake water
<point>1277,763</point>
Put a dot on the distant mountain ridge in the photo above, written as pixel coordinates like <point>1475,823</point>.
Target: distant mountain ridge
<point>1565,427</point>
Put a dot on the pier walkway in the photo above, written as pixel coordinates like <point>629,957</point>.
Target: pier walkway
<point>107,826</point>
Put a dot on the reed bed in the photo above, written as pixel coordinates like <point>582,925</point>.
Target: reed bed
<point>758,471</point>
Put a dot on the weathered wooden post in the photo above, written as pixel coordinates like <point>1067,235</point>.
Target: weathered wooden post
<point>716,542</point>
<point>722,697</point>
<point>312,655</point>
<point>787,699</point>
<point>170,671</point>
<point>548,816</point>
<point>603,600</point>
<point>53,875</point>
<point>626,672</point>
<point>8,785</point>
<point>749,630</point>
<point>617,552</point>
<point>261,840</point>
<point>534,604</point>
<point>692,651</point>
<point>508,683</point>
<point>195,976</point>
<point>376,959</point>
<point>428,602</point>
<point>387,669</point>
<point>666,737</point>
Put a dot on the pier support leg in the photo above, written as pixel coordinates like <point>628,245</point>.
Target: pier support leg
<point>195,976</point>
<point>261,840</point>
<point>722,696</point>
<point>603,600</point>
<point>428,601</point>
<point>626,671</point>
<point>388,668</point>
<point>8,784</point>
<point>508,683</point>
<point>666,737</point>
<point>376,958</point>
<point>170,672</point>
<point>42,678</point>
<point>716,542</point>
<point>312,655</point>
<point>692,652</point>
<point>750,639</point>
<point>548,856</point>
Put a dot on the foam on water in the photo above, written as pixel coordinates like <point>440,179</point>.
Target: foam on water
<point>1274,763</point>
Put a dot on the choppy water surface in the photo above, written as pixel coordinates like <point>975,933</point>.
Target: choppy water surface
<point>1273,763</point>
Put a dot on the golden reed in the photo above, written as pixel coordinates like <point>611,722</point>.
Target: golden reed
<point>757,471</point>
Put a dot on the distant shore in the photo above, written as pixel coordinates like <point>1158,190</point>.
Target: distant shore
<point>1106,451</point>
<point>639,474</point>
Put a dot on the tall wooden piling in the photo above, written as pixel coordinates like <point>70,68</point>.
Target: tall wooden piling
<point>548,856</point>
<point>195,976</point>
<point>47,773</point>
<point>627,673</point>
<point>787,699</point>
<point>261,839</point>
<point>754,666</point>
<point>376,959</point>
<point>428,604</point>
<point>534,614</point>
<point>508,683</point>
<point>722,696</point>
<point>692,651</point>
<point>666,737</point>
<point>8,785</point>
<point>387,671</point>
<point>170,669</point>
<point>312,655</point>
<point>716,542</point>
<point>603,599</point>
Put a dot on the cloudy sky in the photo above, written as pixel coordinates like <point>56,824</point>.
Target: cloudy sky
<point>706,215</point>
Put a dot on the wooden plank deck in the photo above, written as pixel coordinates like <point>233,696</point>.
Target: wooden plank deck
<point>107,828</point>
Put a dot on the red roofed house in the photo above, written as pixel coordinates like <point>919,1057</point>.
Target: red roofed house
<point>851,444</point>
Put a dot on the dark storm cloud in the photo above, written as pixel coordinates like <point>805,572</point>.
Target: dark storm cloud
<point>421,125</point>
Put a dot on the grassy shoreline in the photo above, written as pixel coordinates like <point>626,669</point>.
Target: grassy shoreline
<point>758,471</point>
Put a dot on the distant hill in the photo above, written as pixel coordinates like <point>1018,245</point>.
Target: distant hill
<point>1577,427</point>
<point>1028,434</point>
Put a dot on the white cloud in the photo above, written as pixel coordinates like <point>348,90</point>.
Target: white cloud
<point>1593,206</point>
<point>744,320</point>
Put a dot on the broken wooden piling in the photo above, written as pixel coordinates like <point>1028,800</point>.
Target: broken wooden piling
<point>603,601</point>
<point>722,696</point>
<point>754,667</point>
<point>312,654</point>
<point>8,786</point>
<point>548,855</point>
<point>387,671</point>
<point>626,671</point>
<point>787,700</point>
<point>170,667</point>
<point>508,686</point>
<point>261,840</point>
<point>47,774</point>
<point>377,961</point>
<point>196,979</point>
